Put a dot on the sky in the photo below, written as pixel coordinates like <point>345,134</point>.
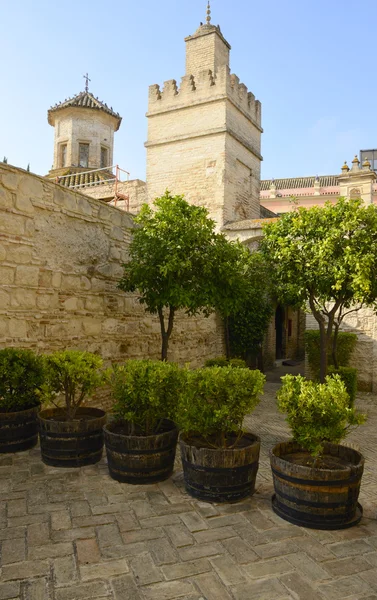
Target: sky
<point>309,63</point>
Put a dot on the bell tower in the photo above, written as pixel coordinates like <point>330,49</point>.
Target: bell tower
<point>204,135</point>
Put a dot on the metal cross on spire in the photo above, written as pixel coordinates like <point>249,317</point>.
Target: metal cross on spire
<point>86,77</point>
<point>208,13</point>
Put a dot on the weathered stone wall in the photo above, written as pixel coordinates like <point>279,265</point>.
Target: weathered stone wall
<point>136,190</point>
<point>60,261</point>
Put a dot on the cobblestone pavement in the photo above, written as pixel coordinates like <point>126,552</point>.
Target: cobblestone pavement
<point>77,534</point>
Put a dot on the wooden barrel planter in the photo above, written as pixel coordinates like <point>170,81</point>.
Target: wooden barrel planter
<point>318,498</point>
<point>71,443</point>
<point>219,475</point>
<point>140,459</point>
<point>18,430</point>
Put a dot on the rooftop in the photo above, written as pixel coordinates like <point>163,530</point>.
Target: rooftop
<point>84,100</point>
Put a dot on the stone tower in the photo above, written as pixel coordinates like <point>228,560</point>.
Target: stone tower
<point>204,137</point>
<point>84,134</point>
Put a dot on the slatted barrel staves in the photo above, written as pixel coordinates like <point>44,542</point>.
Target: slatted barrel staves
<point>221,475</point>
<point>317,498</point>
<point>18,430</point>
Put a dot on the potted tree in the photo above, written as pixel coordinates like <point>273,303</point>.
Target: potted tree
<point>21,379</point>
<point>70,434</point>
<point>317,480</point>
<point>141,440</point>
<point>219,459</point>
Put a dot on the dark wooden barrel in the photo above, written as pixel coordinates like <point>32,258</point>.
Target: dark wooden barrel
<point>18,430</point>
<point>71,443</point>
<point>318,498</point>
<point>140,459</point>
<point>217,475</point>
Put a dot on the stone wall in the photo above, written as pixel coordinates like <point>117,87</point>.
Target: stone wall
<point>60,260</point>
<point>136,190</point>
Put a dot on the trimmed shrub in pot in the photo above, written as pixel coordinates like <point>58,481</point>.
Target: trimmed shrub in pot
<point>21,379</point>
<point>316,480</point>
<point>220,460</point>
<point>71,435</point>
<point>141,441</point>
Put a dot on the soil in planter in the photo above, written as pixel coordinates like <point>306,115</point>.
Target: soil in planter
<point>324,462</point>
<point>232,441</point>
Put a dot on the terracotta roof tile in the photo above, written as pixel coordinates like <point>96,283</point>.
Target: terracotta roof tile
<point>84,100</point>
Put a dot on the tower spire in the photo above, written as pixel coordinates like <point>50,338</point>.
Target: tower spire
<point>208,13</point>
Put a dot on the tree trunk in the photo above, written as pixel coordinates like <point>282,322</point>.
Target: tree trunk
<point>335,345</point>
<point>166,333</point>
<point>323,350</point>
<point>227,340</point>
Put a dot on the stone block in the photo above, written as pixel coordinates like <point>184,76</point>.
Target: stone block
<point>27,276</point>
<point>56,280</point>
<point>24,203</point>
<point>116,233</point>
<point>4,300</point>
<point>9,590</point>
<point>84,207</point>
<point>6,200</point>
<point>30,186</point>
<point>6,275</point>
<point>18,328</point>
<point>23,298</point>
<point>12,224</point>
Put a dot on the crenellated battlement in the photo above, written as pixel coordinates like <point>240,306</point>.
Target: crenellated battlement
<point>204,87</point>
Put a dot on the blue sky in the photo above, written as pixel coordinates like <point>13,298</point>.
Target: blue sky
<point>311,64</point>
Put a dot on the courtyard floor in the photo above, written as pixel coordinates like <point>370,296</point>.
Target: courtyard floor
<point>77,534</point>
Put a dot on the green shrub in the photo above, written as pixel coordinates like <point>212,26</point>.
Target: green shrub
<point>349,376</point>
<point>21,379</point>
<point>145,393</point>
<point>219,361</point>
<point>317,412</point>
<point>71,376</point>
<point>346,345</point>
<point>222,361</point>
<point>214,402</point>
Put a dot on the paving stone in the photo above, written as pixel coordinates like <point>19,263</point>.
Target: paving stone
<point>352,548</point>
<point>28,520</point>
<point>50,551</point>
<point>12,533</point>
<point>145,571</point>
<point>79,508</point>
<point>47,507</point>
<point>13,551</point>
<point>142,535</point>
<point>9,590</point>
<point>261,589</point>
<point>227,570</point>
<point>108,535</point>
<point>162,551</point>
<point>315,549</point>
<point>240,550</point>
<point>276,549</point>
<point>61,520</point>
<point>186,569</point>
<point>212,535</point>
<point>16,508</point>
<point>179,535</point>
<point>127,522</point>
<point>347,566</point>
<point>265,568</point>
<point>64,570</point>
<point>370,577</point>
<point>142,509</point>
<point>124,551</point>
<point>342,588</point>
<point>105,569</point>
<point>124,588</point>
<point>38,534</point>
<point>211,587</point>
<point>83,591</point>
<point>70,535</point>
<point>168,590</point>
<point>200,551</point>
<point>227,520</point>
<point>25,570</point>
<point>160,521</point>
<point>38,589</point>
<point>93,521</point>
<point>108,509</point>
<point>193,521</point>
<point>371,558</point>
<point>88,551</point>
<point>298,586</point>
<point>308,567</point>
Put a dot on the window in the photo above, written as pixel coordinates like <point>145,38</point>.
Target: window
<point>104,159</point>
<point>83,155</point>
<point>63,155</point>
